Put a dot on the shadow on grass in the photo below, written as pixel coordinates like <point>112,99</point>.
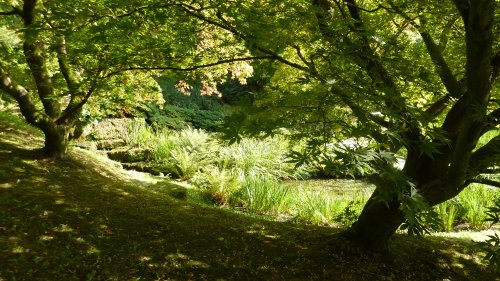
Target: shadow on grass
<point>74,220</point>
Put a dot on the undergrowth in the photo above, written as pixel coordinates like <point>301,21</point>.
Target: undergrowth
<point>255,175</point>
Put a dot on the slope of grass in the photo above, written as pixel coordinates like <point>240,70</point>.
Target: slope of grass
<point>86,219</point>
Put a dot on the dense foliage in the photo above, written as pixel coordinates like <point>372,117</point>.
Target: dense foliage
<point>402,79</point>
<point>417,79</point>
<point>255,175</point>
<point>185,106</point>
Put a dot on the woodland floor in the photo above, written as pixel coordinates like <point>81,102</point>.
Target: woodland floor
<point>87,219</point>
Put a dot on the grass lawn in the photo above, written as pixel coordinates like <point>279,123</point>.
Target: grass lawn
<point>86,219</point>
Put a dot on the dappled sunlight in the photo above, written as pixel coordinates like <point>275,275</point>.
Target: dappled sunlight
<point>13,239</point>
<point>80,240</point>
<point>74,220</point>
<point>477,236</point>
<point>179,260</point>
<point>112,169</point>
<point>57,188</point>
<point>59,201</point>
<point>93,251</point>
<point>46,237</point>
<point>266,235</point>
<point>63,228</point>
<point>144,258</point>
<point>6,185</point>
<point>106,229</point>
<point>19,250</point>
<point>46,213</point>
<point>39,180</point>
<point>19,169</point>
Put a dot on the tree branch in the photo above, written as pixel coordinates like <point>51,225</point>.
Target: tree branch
<point>226,26</point>
<point>483,180</point>
<point>36,61</point>
<point>452,85</point>
<point>494,116</point>
<point>495,64</point>
<point>370,61</point>
<point>28,11</point>
<point>62,59</point>
<point>366,118</point>
<point>15,11</point>
<point>491,171</point>
<point>138,68</point>
<point>435,52</point>
<point>380,6</point>
<point>463,8</point>
<point>438,107</point>
<point>483,158</point>
<point>70,112</point>
<point>21,95</point>
<point>443,38</point>
<point>492,121</point>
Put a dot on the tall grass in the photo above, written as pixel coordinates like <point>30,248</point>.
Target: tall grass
<point>264,195</point>
<point>330,201</point>
<point>180,154</point>
<point>468,209</point>
<point>250,175</point>
<point>220,183</point>
<point>162,146</point>
<point>448,213</point>
<point>138,133</point>
<point>475,200</point>
<point>317,207</point>
<point>258,157</point>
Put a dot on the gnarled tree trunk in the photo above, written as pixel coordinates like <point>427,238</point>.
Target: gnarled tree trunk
<point>376,224</point>
<point>446,173</point>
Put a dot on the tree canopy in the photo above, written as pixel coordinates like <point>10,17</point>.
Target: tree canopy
<point>59,56</point>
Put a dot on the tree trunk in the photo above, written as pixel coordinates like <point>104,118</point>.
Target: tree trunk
<point>56,141</point>
<point>376,224</point>
<point>443,175</point>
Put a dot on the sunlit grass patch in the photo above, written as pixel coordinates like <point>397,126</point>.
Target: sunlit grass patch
<point>336,202</point>
<point>467,211</point>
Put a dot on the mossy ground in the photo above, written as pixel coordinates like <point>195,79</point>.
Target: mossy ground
<point>86,219</point>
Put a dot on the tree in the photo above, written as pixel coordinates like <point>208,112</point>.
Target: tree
<point>418,78</point>
<point>58,55</point>
<point>50,67</point>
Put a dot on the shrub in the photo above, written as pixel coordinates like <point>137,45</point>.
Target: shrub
<point>220,183</point>
<point>185,105</point>
<point>184,153</point>
<point>233,92</point>
<point>169,116</point>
